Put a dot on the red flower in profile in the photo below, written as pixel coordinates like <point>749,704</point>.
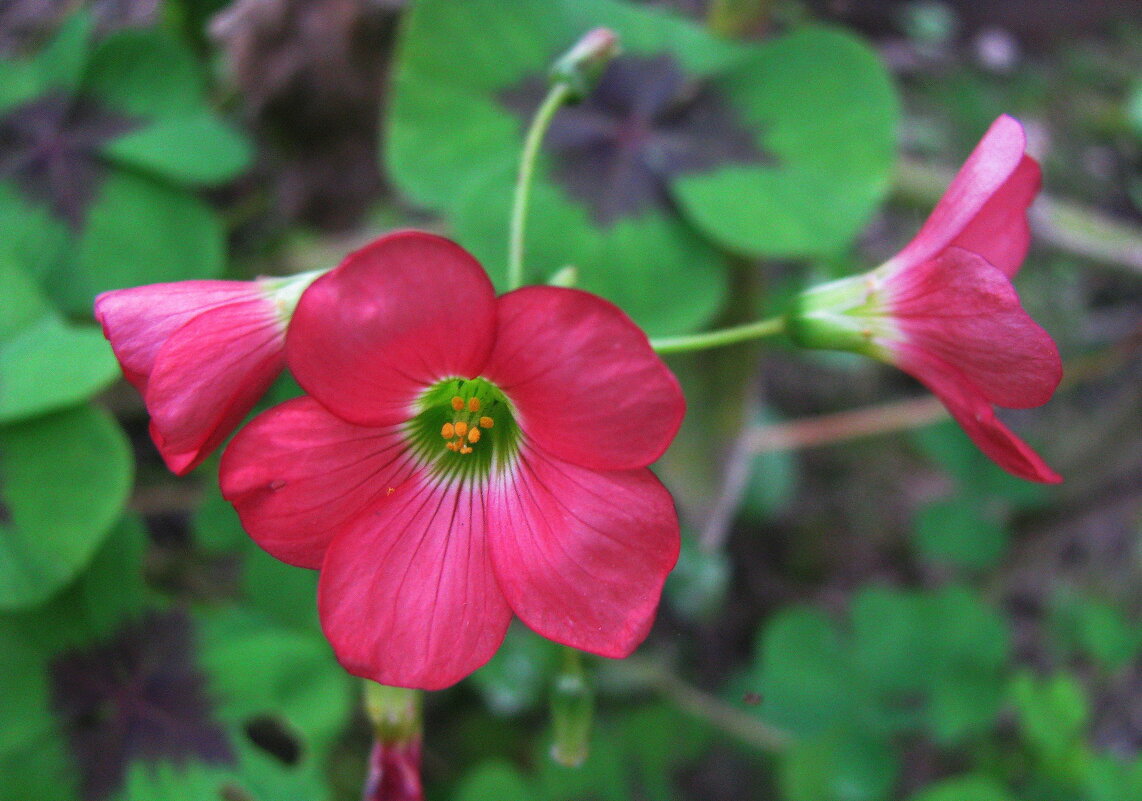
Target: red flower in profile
<point>944,309</point>
<point>201,353</point>
<point>462,457</point>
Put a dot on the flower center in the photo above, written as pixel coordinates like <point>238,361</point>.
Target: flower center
<point>465,428</point>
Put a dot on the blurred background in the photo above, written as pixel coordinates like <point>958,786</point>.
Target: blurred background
<point>866,609</point>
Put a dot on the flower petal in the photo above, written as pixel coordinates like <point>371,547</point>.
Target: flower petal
<point>297,475</point>
<point>137,321</point>
<point>984,208</point>
<point>586,384</point>
<point>960,309</point>
<point>582,555</point>
<point>976,417</point>
<point>396,316</point>
<point>209,375</point>
<point>407,595</point>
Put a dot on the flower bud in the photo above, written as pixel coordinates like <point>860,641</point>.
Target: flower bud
<point>581,66</point>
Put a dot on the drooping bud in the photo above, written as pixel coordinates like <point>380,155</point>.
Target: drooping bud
<point>572,710</point>
<point>581,66</point>
<point>394,763</point>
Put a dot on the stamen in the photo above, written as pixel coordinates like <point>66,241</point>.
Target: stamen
<point>474,436</point>
<point>465,449</point>
<point>461,428</point>
<point>448,431</point>
<point>486,422</point>
<point>473,404</point>
<point>454,445</point>
<point>457,402</point>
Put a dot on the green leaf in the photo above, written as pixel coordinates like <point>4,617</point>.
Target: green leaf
<point>193,149</point>
<point>964,788</point>
<point>803,673</point>
<point>63,481</point>
<point>1094,628</point>
<point>63,62</point>
<point>837,767</point>
<point>958,532</point>
<point>825,108</point>
<point>139,232</point>
<point>1053,713</point>
<point>31,236</point>
<point>146,72</point>
<point>697,586</point>
<point>51,365</point>
<point>258,668</point>
<point>497,780</point>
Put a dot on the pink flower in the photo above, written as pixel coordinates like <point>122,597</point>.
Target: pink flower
<point>944,309</point>
<point>201,353</point>
<point>462,457</point>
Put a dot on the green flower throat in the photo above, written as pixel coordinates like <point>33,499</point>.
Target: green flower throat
<point>465,429</point>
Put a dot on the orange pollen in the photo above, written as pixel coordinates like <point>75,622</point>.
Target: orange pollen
<point>486,422</point>
<point>473,404</point>
<point>454,445</point>
<point>461,428</point>
<point>465,449</point>
<point>448,431</point>
<point>474,436</point>
<point>457,403</point>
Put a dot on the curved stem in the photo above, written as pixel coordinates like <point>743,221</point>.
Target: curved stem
<point>556,97</point>
<point>720,338</point>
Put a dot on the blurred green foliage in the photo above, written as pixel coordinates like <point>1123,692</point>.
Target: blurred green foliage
<point>904,615</point>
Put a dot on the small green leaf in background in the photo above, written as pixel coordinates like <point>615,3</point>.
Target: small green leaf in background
<point>494,780</point>
<point>959,533</point>
<point>64,479</point>
<point>837,767</point>
<point>45,363</point>
<point>1053,715</point>
<point>964,788</point>
<point>1096,629</point>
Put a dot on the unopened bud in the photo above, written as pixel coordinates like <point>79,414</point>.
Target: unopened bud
<point>394,764</point>
<point>581,66</point>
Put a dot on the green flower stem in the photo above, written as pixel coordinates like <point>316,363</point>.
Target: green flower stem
<point>394,712</point>
<point>572,711</point>
<point>559,94</point>
<point>720,338</point>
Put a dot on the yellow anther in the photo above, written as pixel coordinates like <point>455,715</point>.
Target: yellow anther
<point>473,404</point>
<point>474,436</point>
<point>457,402</point>
<point>486,422</point>
<point>465,449</point>
<point>448,431</point>
<point>461,428</point>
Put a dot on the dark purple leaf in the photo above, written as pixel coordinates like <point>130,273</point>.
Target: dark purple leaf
<point>645,123</point>
<point>136,696</point>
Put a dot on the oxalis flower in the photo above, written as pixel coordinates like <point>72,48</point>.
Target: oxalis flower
<point>461,457</point>
<point>944,309</point>
<point>201,353</point>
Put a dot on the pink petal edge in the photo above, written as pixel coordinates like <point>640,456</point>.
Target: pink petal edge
<point>582,555</point>
<point>586,384</point>
<point>396,316</point>
<point>984,208</point>
<point>976,417</point>
<point>298,475</point>
<point>407,595</point>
